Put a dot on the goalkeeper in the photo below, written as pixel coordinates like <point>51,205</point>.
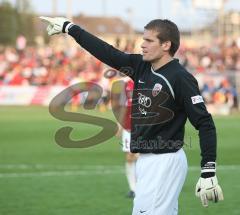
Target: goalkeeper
<point>165,95</point>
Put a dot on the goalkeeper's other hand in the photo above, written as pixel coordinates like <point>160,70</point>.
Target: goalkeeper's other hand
<point>207,188</point>
<point>56,25</point>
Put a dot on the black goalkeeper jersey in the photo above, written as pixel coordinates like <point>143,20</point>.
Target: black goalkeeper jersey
<point>162,100</point>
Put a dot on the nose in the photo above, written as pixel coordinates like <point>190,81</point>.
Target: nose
<point>143,45</point>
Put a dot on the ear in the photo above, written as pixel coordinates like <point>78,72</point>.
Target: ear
<point>167,45</point>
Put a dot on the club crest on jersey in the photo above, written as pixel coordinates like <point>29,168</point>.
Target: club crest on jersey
<point>156,89</point>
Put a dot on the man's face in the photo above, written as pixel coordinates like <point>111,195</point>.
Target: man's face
<point>152,49</point>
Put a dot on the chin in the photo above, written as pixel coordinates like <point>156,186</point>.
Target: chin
<point>145,59</point>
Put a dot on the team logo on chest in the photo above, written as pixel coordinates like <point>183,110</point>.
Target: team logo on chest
<point>156,89</point>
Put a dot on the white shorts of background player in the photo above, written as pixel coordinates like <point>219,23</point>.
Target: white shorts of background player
<point>126,138</point>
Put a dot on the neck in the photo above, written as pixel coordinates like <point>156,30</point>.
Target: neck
<point>161,61</point>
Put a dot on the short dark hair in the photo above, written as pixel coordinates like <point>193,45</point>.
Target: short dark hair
<point>167,31</point>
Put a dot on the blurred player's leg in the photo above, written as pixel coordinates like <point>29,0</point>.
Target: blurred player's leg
<point>130,163</point>
<point>131,173</point>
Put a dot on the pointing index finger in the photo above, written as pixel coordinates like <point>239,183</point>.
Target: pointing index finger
<point>45,18</point>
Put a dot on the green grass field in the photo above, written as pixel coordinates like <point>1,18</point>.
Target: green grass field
<point>39,177</point>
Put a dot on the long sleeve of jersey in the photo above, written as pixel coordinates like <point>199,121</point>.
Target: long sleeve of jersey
<point>190,97</point>
<point>106,53</point>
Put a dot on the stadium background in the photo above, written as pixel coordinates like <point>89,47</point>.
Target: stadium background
<point>39,177</point>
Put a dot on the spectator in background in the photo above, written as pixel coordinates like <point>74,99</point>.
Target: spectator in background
<point>47,66</point>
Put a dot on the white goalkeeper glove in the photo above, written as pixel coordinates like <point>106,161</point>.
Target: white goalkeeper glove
<point>57,25</point>
<point>207,188</point>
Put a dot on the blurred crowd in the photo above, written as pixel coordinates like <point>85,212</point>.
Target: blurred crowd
<point>45,66</point>
<point>216,67</point>
<point>216,57</point>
